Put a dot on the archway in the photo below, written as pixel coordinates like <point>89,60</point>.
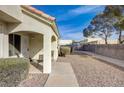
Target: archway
<point>54,50</point>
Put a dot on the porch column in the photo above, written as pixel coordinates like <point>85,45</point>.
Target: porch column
<point>55,50</point>
<point>4,46</point>
<point>47,54</point>
<point>1,45</point>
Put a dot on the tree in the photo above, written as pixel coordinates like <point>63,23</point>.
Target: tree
<point>119,27</point>
<point>87,31</point>
<point>116,12</point>
<point>102,26</point>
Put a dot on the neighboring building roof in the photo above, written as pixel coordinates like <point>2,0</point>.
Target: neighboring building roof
<point>98,41</point>
<point>65,42</point>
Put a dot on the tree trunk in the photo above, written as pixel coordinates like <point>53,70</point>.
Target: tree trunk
<point>106,42</point>
<point>119,38</point>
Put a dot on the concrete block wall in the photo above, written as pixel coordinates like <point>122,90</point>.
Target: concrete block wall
<point>111,50</point>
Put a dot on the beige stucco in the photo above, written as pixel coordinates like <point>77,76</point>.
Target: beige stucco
<point>3,40</point>
<point>30,24</point>
<point>36,46</point>
<point>11,13</point>
<point>36,35</point>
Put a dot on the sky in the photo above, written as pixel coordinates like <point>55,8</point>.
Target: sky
<point>71,19</point>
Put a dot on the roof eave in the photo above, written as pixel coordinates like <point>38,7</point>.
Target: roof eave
<point>48,20</point>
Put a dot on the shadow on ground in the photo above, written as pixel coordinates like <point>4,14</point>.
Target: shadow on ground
<point>80,54</point>
<point>38,66</point>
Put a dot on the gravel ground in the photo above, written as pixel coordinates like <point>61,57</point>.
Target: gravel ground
<point>91,72</point>
<point>34,80</point>
<point>36,77</point>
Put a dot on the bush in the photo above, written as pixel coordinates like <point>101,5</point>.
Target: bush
<point>65,49</point>
<point>13,71</point>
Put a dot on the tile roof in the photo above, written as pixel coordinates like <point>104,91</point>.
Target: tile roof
<point>39,12</point>
<point>44,15</point>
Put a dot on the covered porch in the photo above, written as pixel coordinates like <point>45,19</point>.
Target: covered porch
<point>31,35</point>
<point>33,46</point>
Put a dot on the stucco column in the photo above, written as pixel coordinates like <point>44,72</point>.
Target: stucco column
<point>55,51</point>
<point>1,45</point>
<point>4,45</point>
<point>47,54</point>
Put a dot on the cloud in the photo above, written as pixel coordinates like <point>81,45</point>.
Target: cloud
<point>84,10</point>
<point>73,36</point>
<point>79,11</point>
<point>72,32</point>
<point>68,28</point>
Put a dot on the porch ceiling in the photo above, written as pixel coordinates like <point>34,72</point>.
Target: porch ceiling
<point>27,33</point>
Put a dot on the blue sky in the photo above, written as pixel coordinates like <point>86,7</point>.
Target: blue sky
<point>71,19</point>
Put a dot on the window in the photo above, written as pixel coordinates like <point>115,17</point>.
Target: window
<point>14,44</point>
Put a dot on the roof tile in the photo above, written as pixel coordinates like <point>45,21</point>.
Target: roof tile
<point>38,12</point>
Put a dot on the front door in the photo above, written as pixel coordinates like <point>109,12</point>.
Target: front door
<point>25,46</point>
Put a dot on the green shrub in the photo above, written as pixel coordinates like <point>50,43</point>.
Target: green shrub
<point>66,50</point>
<point>13,71</point>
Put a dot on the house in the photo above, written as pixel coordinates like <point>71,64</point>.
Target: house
<point>98,41</point>
<point>65,42</point>
<point>29,33</point>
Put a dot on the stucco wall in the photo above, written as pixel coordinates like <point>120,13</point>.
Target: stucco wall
<point>111,50</point>
<point>30,24</point>
<point>35,46</point>
<point>12,13</point>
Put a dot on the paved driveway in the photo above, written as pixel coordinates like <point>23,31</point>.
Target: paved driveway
<point>92,72</point>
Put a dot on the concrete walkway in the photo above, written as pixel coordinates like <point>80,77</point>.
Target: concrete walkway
<point>62,76</point>
<point>113,61</point>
